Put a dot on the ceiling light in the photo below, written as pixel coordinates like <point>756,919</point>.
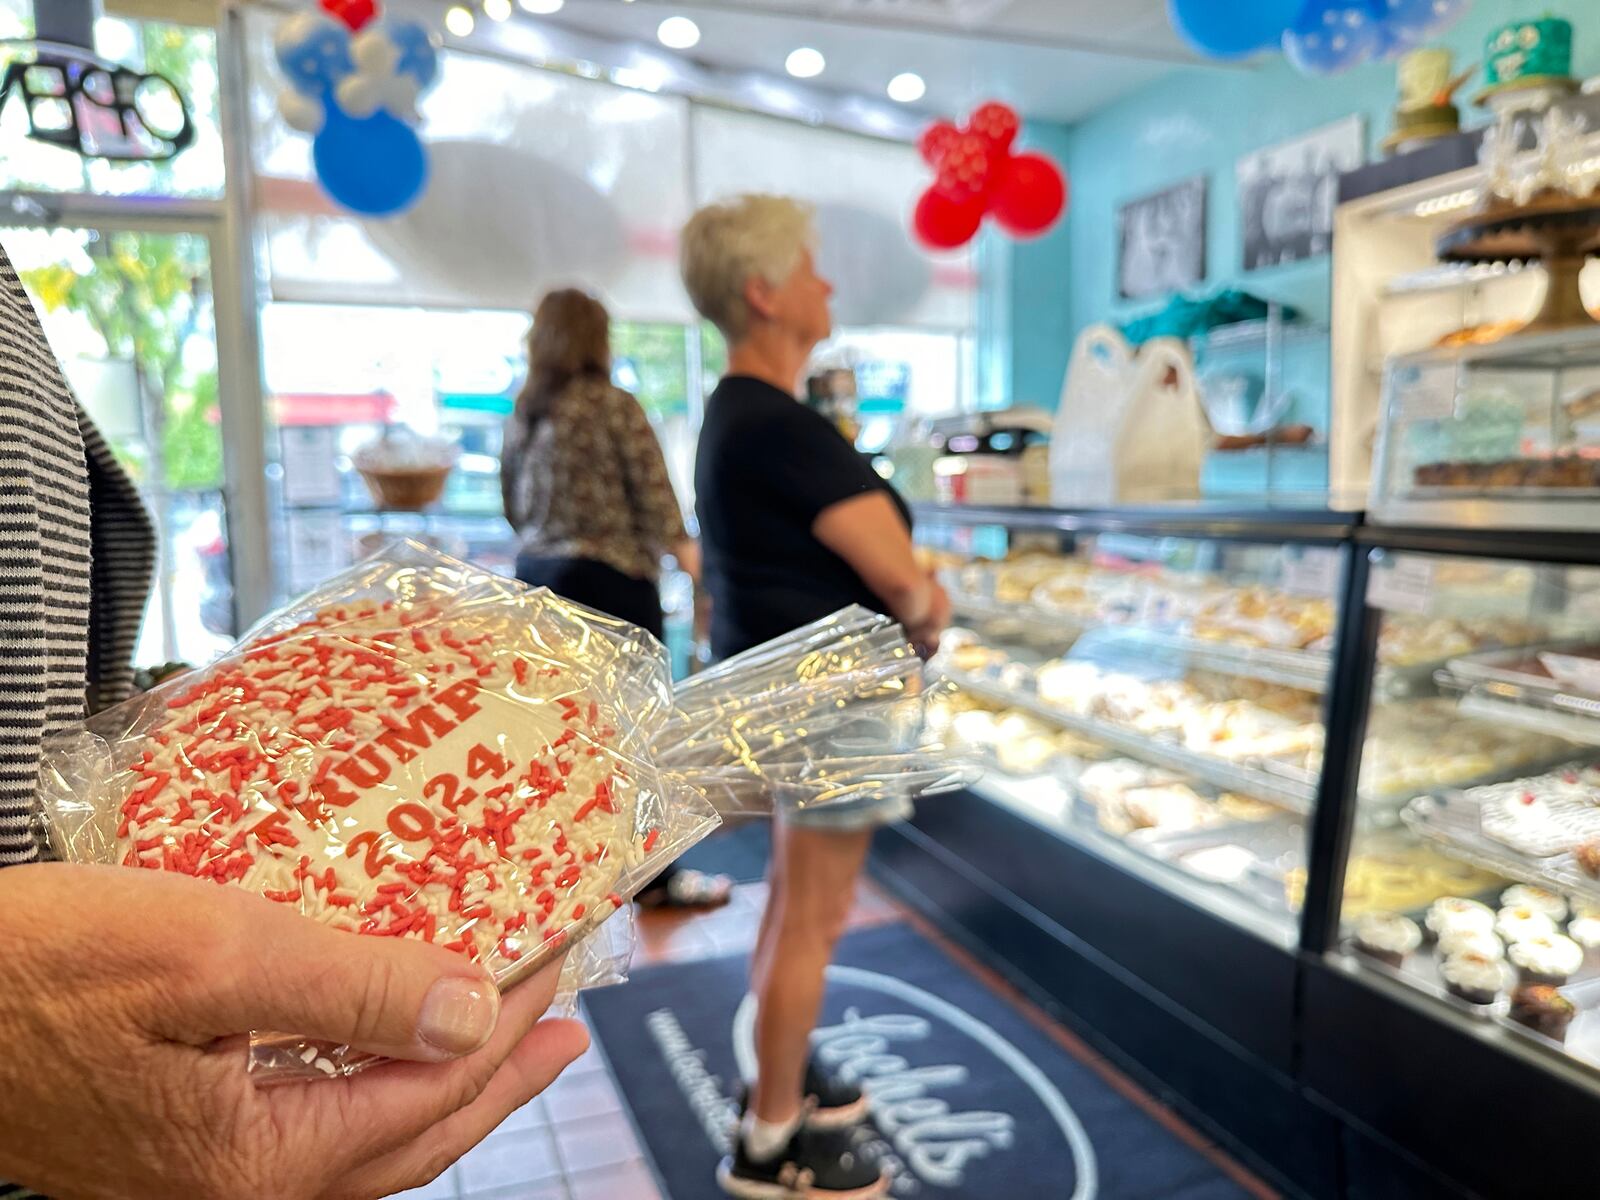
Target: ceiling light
<point>497,10</point>
<point>907,88</point>
<point>542,8</point>
<point>805,63</point>
<point>458,20</point>
<point>678,33</point>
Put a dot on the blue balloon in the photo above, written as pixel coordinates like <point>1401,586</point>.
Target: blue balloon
<point>419,50</point>
<point>1329,38</point>
<point>1232,28</point>
<point>1420,19</point>
<point>374,165</point>
<point>316,62</point>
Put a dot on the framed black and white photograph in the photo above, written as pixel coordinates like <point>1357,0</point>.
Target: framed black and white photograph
<point>1161,241</point>
<point>1287,193</point>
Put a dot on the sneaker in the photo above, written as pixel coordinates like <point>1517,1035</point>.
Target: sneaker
<point>816,1165</point>
<point>830,1103</point>
<point>833,1103</point>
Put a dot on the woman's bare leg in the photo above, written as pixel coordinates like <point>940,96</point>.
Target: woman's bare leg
<point>813,887</point>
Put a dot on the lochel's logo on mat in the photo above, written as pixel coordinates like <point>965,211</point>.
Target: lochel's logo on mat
<point>930,1144</point>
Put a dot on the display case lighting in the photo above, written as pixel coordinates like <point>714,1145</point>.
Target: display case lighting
<point>458,19</point>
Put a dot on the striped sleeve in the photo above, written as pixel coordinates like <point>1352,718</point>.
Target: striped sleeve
<point>24,653</point>
<point>123,568</point>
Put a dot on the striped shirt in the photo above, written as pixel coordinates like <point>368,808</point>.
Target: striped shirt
<point>77,554</point>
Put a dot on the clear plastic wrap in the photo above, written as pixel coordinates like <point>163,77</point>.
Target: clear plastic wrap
<point>832,712</point>
<point>423,749</point>
<point>417,749</point>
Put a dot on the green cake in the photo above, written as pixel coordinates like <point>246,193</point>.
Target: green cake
<point>1527,54</point>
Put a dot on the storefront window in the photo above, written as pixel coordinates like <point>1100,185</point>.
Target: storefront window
<point>130,317</point>
<point>185,55</point>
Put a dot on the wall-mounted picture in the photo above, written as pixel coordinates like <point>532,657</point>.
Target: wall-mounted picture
<point>1161,241</point>
<point>1287,193</point>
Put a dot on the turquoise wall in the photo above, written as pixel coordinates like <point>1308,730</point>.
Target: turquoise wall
<point>1201,120</point>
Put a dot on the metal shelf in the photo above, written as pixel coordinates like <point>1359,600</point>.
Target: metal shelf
<point>1275,925</point>
<point>1452,821</point>
<point>1293,794</point>
<point>1058,628</point>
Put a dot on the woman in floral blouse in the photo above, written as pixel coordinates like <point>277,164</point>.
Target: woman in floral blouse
<point>586,488</point>
<point>584,481</point>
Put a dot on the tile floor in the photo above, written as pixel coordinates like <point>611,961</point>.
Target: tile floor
<point>576,1143</point>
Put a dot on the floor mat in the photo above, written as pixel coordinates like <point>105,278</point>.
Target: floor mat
<point>971,1100</point>
<point>740,852</point>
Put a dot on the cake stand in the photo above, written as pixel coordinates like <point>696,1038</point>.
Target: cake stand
<point>1561,239</point>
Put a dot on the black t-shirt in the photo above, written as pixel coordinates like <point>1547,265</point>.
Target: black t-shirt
<point>766,467</point>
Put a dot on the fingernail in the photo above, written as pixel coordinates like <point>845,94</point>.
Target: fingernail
<point>458,1015</point>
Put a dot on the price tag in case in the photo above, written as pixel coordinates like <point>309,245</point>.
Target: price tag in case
<point>1401,582</point>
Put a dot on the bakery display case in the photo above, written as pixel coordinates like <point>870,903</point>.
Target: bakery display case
<point>1505,928</point>
<point>1296,812</point>
<point>1503,433</point>
<point>1155,696</point>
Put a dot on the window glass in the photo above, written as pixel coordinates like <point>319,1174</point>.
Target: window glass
<point>184,54</point>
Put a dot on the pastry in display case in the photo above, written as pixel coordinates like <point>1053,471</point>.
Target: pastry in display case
<point>1161,696</point>
<point>1510,428</point>
<point>1510,923</point>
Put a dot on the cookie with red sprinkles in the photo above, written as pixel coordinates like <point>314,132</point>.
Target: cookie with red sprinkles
<point>396,770</point>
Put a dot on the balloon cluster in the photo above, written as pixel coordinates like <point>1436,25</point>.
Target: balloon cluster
<point>353,84</point>
<point>1320,37</point>
<point>977,175</point>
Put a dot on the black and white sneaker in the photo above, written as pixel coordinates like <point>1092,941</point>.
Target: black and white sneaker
<point>830,1103</point>
<point>817,1164</point>
<point>833,1104</point>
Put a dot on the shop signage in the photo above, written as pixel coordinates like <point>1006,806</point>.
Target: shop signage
<point>97,109</point>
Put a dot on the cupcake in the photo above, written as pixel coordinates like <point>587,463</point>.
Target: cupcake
<point>1475,978</point>
<point>1454,942</point>
<point>1537,898</point>
<point>1519,924</point>
<point>1585,930</point>
<point>1543,1009</point>
<point>1551,960</point>
<point>1387,937</point>
<point>1450,913</point>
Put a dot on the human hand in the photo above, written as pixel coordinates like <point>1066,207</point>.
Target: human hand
<point>122,995</point>
<point>925,635</point>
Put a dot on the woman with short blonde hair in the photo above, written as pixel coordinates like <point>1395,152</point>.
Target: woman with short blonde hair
<point>795,525</point>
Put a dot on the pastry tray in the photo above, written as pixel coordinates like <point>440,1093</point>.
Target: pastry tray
<point>1293,794</point>
<point>1420,970</point>
<point>1278,844</point>
<point>1453,820</point>
<point>1038,625</point>
<point>1495,691</point>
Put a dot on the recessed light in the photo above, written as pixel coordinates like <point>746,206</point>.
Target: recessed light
<point>805,63</point>
<point>678,33</point>
<point>497,10</point>
<point>542,8</point>
<point>907,88</point>
<point>459,21</point>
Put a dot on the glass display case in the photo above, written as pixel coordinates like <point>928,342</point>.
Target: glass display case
<point>1154,696</point>
<point>1504,433</point>
<point>1489,894</point>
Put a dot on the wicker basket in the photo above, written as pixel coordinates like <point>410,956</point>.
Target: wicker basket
<point>406,489</point>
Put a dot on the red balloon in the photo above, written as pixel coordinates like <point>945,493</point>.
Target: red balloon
<point>936,141</point>
<point>996,123</point>
<point>1029,195</point>
<point>353,13</point>
<point>968,168</point>
<point>942,222</point>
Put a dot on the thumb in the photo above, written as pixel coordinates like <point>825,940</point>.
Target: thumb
<point>389,996</point>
